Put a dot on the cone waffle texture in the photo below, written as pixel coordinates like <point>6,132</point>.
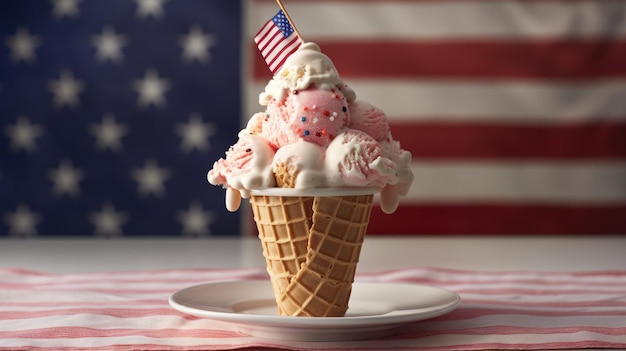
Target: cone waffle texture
<point>283,224</point>
<point>285,175</point>
<point>312,247</point>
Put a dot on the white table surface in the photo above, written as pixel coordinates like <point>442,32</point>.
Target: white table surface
<point>492,253</point>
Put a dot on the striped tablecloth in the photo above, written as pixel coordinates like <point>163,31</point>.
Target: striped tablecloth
<point>129,311</point>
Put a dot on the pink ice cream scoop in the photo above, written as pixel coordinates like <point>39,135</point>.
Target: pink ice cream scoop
<point>320,115</point>
<point>243,168</point>
<point>275,123</point>
<point>314,115</point>
<point>356,159</point>
<point>368,118</point>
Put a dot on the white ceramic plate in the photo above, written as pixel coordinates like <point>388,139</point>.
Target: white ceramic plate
<point>376,310</point>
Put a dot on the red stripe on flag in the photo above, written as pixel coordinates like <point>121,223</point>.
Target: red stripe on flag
<point>500,218</point>
<point>265,42</point>
<point>282,53</point>
<point>473,59</point>
<point>602,140</point>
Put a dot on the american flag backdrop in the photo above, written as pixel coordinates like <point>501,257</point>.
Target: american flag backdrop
<point>111,112</point>
<point>514,110</point>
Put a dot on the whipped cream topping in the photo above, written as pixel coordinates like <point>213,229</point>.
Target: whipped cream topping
<point>306,67</point>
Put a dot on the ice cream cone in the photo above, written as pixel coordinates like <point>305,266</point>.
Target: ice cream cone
<point>312,247</point>
<point>310,166</point>
<point>283,224</point>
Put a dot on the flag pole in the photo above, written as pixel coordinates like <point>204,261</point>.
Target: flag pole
<point>282,7</point>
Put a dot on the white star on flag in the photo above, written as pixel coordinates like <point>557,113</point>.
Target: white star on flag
<point>195,134</point>
<point>66,89</point>
<point>22,222</point>
<point>23,134</point>
<point>108,222</point>
<point>195,220</point>
<point>108,133</point>
<point>65,179</point>
<point>65,8</point>
<point>151,89</point>
<point>151,178</point>
<point>109,45</point>
<point>23,45</point>
<point>196,45</point>
<point>152,8</point>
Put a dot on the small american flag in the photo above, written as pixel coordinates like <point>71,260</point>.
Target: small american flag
<point>277,40</point>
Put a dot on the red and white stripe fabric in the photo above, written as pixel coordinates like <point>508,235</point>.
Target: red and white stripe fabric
<point>514,111</point>
<point>129,311</point>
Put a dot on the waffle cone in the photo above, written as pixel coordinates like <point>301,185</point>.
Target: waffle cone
<point>312,247</point>
<point>283,224</point>
<point>285,175</point>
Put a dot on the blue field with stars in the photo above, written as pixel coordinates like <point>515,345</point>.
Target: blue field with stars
<point>111,114</point>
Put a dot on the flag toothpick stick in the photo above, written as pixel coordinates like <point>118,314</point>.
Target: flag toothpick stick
<point>282,7</point>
